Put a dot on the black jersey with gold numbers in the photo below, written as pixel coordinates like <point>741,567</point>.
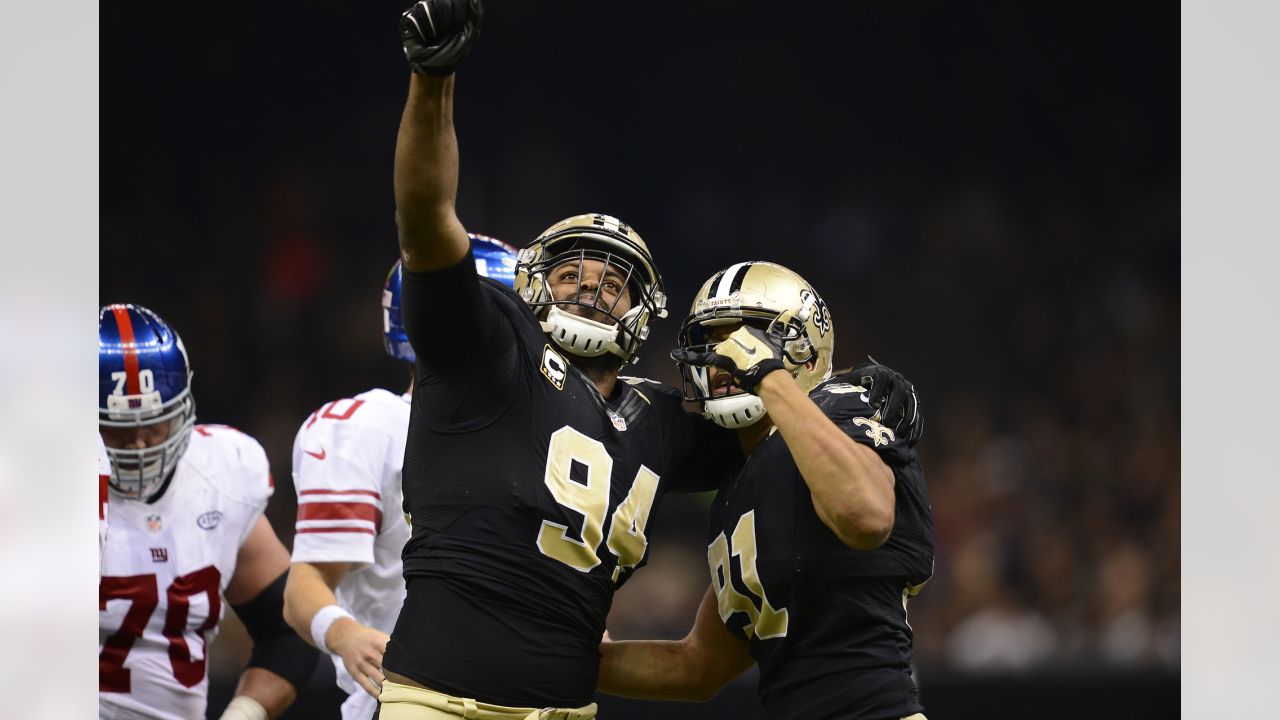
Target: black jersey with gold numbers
<point>529,495</point>
<point>826,624</point>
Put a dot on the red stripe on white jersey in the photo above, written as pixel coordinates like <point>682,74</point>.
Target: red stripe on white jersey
<point>370,493</point>
<point>340,511</point>
<point>102,496</point>
<point>132,385</point>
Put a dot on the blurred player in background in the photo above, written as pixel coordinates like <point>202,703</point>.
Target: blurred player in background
<point>817,544</point>
<point>187,534</point>
<point>346,584</point>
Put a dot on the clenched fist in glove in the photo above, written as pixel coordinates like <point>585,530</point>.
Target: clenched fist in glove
<point>748,354</point>
<point>438,34</point>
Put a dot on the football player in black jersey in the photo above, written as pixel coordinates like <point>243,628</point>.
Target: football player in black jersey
<point>822,536</point>
<point>531,468</point>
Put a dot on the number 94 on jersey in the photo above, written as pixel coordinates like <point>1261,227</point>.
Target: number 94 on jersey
<point>589,495</point>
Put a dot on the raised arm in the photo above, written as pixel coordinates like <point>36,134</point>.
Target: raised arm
<point>426,178</point>
<point>852,487</point>
<point>693,669</point>
<point>437,35</point>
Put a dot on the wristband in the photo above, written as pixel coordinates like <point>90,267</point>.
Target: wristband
<point>320,623</point>
<point>243,707</point>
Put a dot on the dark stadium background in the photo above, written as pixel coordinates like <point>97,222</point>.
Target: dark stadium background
<point>987,196</point>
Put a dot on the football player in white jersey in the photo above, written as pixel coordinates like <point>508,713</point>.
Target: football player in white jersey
<point>187,536</point>
<point>346,587</point>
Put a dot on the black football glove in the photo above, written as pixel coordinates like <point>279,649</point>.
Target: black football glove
<point>438,34</point>
<point>894,399</point>
<point>748,354</point>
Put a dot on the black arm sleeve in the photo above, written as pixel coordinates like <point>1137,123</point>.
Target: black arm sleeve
<point>276,647</point>
<point>465,344</point>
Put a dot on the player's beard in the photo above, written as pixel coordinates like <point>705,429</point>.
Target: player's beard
<point>600,368</point>
<point>595,313</point>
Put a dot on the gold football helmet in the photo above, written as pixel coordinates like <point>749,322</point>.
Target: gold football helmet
<point>772,298</point>
<point>592,236</point>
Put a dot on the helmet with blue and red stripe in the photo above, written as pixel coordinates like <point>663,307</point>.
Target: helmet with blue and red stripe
<point>494,259</point>
<point>145,407</point>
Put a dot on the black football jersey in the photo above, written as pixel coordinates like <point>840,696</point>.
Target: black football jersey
<point>528,494</point>
<point>826,624</point>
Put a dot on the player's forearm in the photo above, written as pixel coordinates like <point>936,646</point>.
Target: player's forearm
<point>651,670</point>
<point>852,488</point>
<point>426,177</point>
<point>272,692</point>
<point>305,593</point>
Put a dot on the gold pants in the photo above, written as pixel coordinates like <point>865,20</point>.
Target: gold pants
<point>917,716</point>
<point>405,702</point>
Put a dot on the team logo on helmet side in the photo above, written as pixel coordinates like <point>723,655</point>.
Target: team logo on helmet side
<point>814,306</point>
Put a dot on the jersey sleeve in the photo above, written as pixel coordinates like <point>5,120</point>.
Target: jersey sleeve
<point>339,461</point>
<point>845,403</point>
<point>249,479</point>
<point>464,342</point>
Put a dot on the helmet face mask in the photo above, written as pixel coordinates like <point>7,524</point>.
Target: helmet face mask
<point>757,294</point>
<point>144,393</point>
<point>141,472</point>
<point>588,324</point>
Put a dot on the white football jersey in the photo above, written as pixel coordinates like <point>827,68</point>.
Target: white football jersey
<point>347,459</point>
<point>165,568</point>
<point>104,475</point>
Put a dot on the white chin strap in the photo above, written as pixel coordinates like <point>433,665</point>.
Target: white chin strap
<point>734,411</point>
<point>582,336</point>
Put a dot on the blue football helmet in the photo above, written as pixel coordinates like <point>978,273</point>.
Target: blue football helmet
<point>494,259</point>
<point>144,386</point>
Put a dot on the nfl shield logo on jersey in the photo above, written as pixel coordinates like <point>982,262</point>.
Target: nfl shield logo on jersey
<point>619,422</point>
<point>153,523</point>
